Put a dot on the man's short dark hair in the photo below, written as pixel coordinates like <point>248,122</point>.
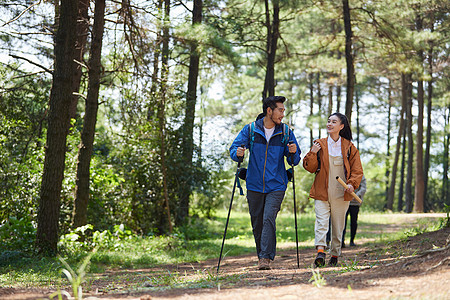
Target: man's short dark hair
<point>272,102</point>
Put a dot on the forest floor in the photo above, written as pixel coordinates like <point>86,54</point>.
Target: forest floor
<point>415,267</point>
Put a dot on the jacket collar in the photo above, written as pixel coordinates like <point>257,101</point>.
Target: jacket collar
<point>259,124</point>
<point>345,145</point>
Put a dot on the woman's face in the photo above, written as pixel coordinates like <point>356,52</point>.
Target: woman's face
<point>334,125</point>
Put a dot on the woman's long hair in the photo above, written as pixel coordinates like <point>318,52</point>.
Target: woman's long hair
<point>345,132</point>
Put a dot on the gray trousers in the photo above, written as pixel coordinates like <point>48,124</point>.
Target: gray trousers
<point>263,209</point>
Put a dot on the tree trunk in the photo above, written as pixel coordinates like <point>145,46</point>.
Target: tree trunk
<point>188,134</point>
<point>427,204</point>
<point>162,106</point>
<point>330,99</point>
<point>319,102</point>
<point>357,117</point>
<point>404,109</point>
<point>420,180</point>
<point>80,50</point>
<point>156,55</point>
<point>273,33</point>
<point>338,98</point>
<point>402,172</point>
<point>58,127</point>
<point>445,184</point>
<point>349,60</point>
<point>389,201</point>
<point>401,130</point>
<point>311,106</point>
<point>86,146</point>
<point>419,187</point>
<point>409,172</point>
<point>338,87</point>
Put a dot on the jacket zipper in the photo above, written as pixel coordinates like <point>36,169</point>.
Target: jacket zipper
<point>265,162</point>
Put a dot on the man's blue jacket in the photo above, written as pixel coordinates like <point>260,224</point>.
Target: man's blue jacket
<point>266,168</point>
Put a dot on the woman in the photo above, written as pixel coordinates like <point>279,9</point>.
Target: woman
<point>330,157</point>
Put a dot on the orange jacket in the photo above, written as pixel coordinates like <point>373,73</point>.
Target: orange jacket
<point>353,168</point>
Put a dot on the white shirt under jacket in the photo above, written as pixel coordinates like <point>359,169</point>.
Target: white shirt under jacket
<point>334,148</point>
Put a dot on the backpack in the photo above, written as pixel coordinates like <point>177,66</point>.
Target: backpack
<point>284,140</point>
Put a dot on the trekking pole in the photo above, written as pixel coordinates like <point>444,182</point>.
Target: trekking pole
<point>295,206</point>
<point>240,159</point>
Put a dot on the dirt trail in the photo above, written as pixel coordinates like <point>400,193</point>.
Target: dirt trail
<point>405,269</point>
<point>413,268</point>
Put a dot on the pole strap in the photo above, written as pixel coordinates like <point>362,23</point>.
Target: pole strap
<point>241,192</point>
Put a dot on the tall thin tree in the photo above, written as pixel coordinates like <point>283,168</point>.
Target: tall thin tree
<point>401,188</point>
<point>58,128</point>
<point>388,148</point>
<point>188,127</point>
<point>319,101</point>
<point>311,105</point>
<point>409,170</point>
<point>162,105</point>
<point>86,146</point>
<point>420,180</point>
<point>401,130</point>
<point>427,204</point>
<point>330,99</point>
<point>80,51</point>
<point>357,117</point>
<point>273,33</point>
<point>445,194</point>
<point>349,60</point>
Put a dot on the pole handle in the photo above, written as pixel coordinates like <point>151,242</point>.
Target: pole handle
<point>291,155</point>
<point>241,158</point>
<point>346,187</point>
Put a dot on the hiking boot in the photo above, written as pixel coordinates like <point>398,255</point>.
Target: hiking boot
<point>342,244</point>
<point>333,261</point>
<point>352,244</point>
<point>320,259</point>
<point>263,264</point>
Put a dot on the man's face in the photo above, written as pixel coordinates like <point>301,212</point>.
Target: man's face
<point>276,114</point>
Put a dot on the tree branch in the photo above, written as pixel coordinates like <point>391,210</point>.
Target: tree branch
<point>32,62</point>
<point>21,14</point>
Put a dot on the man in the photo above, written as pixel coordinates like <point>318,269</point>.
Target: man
<point>269,141</point>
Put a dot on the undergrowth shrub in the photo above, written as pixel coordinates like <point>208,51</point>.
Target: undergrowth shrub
<point>17,235</point>
<point>82,239</point>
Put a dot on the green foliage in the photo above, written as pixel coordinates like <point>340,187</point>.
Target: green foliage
<point>17,235</point>
<point>349,265</point>
<point>317,279</point>
<point>107,206</point>
<point>82,239</point>
<point>22,127</point>
<point>76,278</point>
<point>194,229</point>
